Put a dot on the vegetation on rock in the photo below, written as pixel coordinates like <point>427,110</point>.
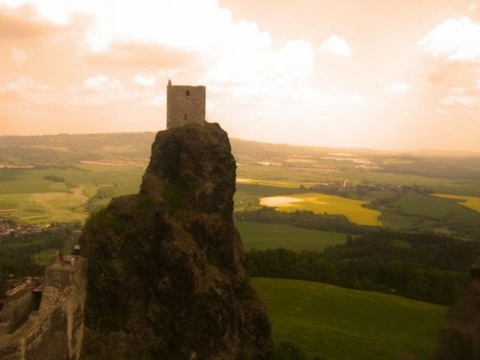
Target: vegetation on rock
<point>167,277</point>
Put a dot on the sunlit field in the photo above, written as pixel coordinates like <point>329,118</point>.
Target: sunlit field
<point>354,210</point>
<point>261,236</point>
<point>28,196</point>
<point>343,324</point>
<point>471,202</point>
<point>282,184</point>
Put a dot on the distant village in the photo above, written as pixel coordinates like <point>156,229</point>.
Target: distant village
<point>9,228</point>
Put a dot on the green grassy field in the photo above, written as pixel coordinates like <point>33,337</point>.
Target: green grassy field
<point>281,184</point>
<point>46,257</point>
<point>261,236</point>
<point>29,181</point>
<point>395,178</point>
<point>295,175</point>
<point>26,195</point>
<point>435,208</point>
<point>344,324</point>
<point>354,210</point>
<point>466,187</point>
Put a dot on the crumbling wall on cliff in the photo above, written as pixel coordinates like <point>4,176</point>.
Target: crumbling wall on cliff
<point>55,331</point>
<point>18,305</point>
<point>166,266</point>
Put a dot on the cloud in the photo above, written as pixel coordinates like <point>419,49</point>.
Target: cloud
<point>110,92</point>
<point>465,96</point>
<point>457,100</point>
<point>103,66</point>
<point>454,73</point>
<point>144,80</point>
<point>143,55</point>
<point>18,55</point>
<point>335,45</point>
<point>101,83</point>
<point>453,40</point>
<point>22,24</point>
<point>399,88</point>
<point>293,64</point>
<point>27,90</point>
<point>338,101</point>
<point>262,69</point>
<point>356,99</point>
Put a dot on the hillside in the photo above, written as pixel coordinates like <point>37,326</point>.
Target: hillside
<point>341,324</point>
<point>69,148</point>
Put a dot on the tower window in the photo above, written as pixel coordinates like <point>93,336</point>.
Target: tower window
<point>185,117</point>
<point>187,93</point>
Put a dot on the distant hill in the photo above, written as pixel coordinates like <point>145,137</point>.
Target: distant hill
<point>67,149</point>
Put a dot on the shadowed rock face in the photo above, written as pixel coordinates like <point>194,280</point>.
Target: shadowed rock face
<point>166,266</point>
<point>460,337</point>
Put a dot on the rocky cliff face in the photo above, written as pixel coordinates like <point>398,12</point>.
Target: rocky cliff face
<point>460,337</point>
<point>166,272</point>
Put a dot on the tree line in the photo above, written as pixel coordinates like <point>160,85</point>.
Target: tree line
<point>302,218</point>
<point>425,266</point>
<point>19,252</point>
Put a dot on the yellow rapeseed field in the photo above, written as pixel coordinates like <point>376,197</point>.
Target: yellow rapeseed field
<point>471,202</point>
<point>354,210</point>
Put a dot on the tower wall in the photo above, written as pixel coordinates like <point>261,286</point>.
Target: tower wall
<point>185,105</point>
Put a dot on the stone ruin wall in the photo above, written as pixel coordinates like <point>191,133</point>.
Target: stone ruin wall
<point>55,331</point>
<point>20,302</point>
<point>185,105</point>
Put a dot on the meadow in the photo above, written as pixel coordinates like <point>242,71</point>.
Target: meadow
<point>411,210</point>
<point>342,324</point>
<point>261,236</point>
<point>28,196</point>
<point>381,177</point>
<point>271,183</point>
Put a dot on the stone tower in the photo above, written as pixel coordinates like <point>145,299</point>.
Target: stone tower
<point>185,105</point>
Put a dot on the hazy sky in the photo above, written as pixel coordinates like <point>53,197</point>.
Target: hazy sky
<point>391,74</point>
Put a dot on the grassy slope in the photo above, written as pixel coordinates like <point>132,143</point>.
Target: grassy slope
<point>343,324</point>
<point>261,236</point>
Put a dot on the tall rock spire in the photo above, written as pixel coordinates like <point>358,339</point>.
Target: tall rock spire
<point>167,277</point>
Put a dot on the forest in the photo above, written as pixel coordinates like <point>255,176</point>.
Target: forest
<point>422,266</point>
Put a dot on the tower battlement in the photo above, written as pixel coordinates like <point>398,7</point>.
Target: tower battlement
<point>185,105</point>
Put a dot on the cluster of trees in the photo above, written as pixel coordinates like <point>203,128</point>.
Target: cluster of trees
<point>302,218</point>
<point>54,178</point>
<point>426,267</point>
<point>19,253</point>
<point>362,190</point>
